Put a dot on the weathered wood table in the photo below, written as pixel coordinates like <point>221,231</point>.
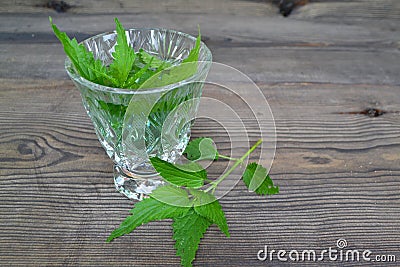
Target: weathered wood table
<point>330,71</point>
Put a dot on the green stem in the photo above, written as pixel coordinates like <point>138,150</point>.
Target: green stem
<point>237,163</point>
<point>226,157</point>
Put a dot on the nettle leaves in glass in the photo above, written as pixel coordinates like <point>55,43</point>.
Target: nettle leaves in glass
<point>130,82</point>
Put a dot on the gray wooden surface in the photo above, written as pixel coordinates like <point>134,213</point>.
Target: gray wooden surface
<point>321,68</point>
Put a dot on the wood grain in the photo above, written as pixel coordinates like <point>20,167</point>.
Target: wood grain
<point>319,69</point>
<point>249,8</point>
<point>351,10</point>
<point>338,163</point>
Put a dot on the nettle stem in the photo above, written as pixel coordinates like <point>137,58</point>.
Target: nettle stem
<point>226,157</point>
<point>235,165</point>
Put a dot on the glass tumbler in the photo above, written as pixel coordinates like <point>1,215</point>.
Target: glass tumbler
<point>134,125</point>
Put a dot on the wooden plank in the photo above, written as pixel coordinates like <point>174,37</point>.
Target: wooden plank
<point>58,207</point>
<point>354,12</point>
<point>281,52</point>
<point>350,11</point>
<point>271,64</point>
<point>301,123</point>
<point>243,28</point>
<point>144,7</point>
<point>313,65</point>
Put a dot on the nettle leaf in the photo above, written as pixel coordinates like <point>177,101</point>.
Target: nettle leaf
<point>124,56</point>
<point>82,59</point>
<point>257,179</point>
<point>115,114</point>
<point>192,166</point>
<point>206,205</point>
<point>171,74</point>
<point>147,210</point>
<point>179,176</point>
<point>101,73</point>
<point>133,81</point>
<point>194,53</point>
<point>172,195</point>
<point>188,231</point>
<point>154,61</point>
<point>200,149</point>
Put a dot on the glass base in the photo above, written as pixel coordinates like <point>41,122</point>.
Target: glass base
<point>135,186</point>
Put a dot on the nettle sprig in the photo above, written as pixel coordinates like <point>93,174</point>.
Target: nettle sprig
<point>191,208</point>
<point>183,198</point>
<point>129,69</point>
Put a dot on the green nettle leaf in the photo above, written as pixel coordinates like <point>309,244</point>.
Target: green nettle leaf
<point>206,205</point>
<point>192,166</point>
<point>124,56</point>
<point>172,195</point>
<point>194,53</point>
<point>171,75</point>
<point>134,80</point>
<point>188,231</point>
<point>153,60</point>
<point>200,149</point>
<point>175,73</point>
<point>179,176</point>
<point>145,211</point>
<point>115,113</point>
<point>257,179</point>
<point>81,58</point>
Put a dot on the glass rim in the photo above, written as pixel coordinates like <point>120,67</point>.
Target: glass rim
<point>98,87</point>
